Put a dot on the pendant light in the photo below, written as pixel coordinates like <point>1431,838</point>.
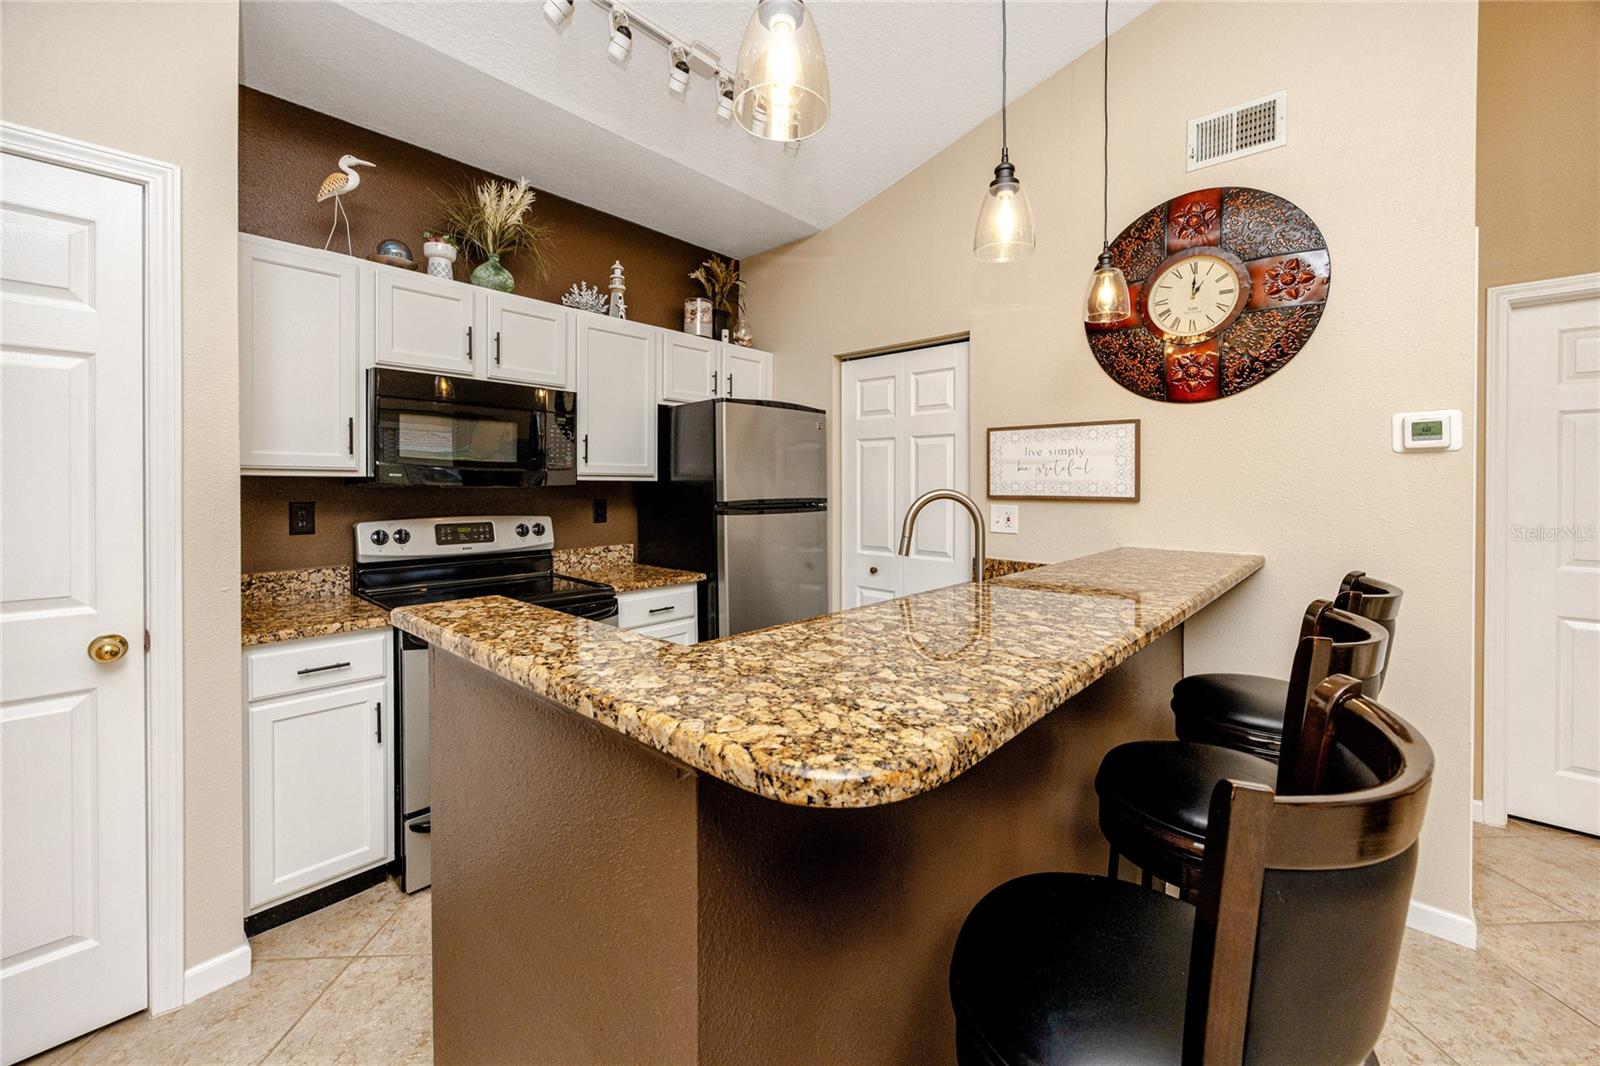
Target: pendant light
<point>1107,299</point>
<point>1005,221</point>
<point>782,78</point>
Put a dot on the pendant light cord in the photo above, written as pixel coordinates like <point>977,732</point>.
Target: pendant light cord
<point>1105,148</point>
<point>1005,151</point>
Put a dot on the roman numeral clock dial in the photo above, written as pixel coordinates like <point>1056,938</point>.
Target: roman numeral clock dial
<point>1195,295</point>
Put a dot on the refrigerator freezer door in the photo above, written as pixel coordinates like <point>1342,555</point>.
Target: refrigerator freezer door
<point>770,452</point>
<point>772,567</point>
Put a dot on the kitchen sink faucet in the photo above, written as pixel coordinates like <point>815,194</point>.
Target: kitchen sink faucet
<point>964,500</point>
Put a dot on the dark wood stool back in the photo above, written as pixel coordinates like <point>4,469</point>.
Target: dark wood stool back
<point>1374,599</point>
<point>1332,641</point>
<point>1303,898</point>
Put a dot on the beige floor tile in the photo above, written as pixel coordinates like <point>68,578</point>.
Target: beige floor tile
<point>1496,899</point>
<point>409,931</point>
<point>338,931</point>
<point>58,1054</point>
<point>379,1010</point>
<point>1562,867</point>
<point>1403,1045</point>
<point>1563,958</point>
<point>236,1024</point>
<point>1478,1009</point>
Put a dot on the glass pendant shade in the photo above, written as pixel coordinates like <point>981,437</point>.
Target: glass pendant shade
<point>1107,300</point>
<point>782,81</point>
<point>1005,221</point>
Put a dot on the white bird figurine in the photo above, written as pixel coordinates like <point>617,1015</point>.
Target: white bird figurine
<point>341,182</point>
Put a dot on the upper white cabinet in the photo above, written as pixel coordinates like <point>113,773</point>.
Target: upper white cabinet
<point>529,341</point>
<point>301,401</point>
<point>427,323</point>
<point>746,373</point>
<point>690,367</point>
<point>616,399</point>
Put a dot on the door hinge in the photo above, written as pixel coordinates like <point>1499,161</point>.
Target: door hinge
<point>147,641</point>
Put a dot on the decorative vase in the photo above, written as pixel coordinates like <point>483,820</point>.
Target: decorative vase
<point>741,330</point>
<point>491,275</point>
<point>441,259</point>
<point>697,316</point>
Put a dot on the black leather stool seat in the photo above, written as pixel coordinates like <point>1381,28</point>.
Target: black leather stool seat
<point>1153,790</point>
<point>1242,711</point>
<point>1058,967</point>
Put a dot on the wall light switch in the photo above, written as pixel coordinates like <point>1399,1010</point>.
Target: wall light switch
<point>1002,518</point>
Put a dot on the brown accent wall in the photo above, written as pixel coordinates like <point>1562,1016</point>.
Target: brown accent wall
<point>1538,173</point>
<point>264,515</point>
<point>284,153</point>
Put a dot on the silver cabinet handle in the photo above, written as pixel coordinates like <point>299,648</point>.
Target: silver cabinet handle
<point>320,669</point>
<point>469,344</point>
<point>377,714</point>
<point>730,385</point>
<point>496,347</point>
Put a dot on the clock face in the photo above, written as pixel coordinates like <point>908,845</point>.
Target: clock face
<point>1226,287</point>
<point>1195,295</point>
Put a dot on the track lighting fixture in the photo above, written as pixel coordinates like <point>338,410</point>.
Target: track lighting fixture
<point>724,96</point>
<point>558,11</point>
<point>678,80</point>
<point>621,36</point>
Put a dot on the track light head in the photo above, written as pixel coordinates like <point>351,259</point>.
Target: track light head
<point>724,97</point>
<point>678,80</point>
<point>621,36</point>
<point>558,11</point>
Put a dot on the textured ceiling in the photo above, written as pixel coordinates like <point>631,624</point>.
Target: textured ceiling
<point>494,85</point>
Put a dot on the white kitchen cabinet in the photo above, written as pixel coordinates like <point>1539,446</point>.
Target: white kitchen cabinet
<point>616,399</point>
<point>318,774</point>
<point>690,367</point>
<point>302,408</point>
<point>529,341</point>
<point>683,632</point>
<point>427,323</point>
<point>669,613</point>
<point>746,373</point>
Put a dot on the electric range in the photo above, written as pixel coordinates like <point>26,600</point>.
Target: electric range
<point>404,562</point>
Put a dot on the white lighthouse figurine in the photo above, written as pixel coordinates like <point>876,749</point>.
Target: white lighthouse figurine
<point>619,306</point>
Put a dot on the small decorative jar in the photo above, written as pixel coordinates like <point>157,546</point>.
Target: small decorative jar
<point>697,316</point>
<point>441,259</point>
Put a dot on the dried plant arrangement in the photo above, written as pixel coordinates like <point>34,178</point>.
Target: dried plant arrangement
<point>722,284</point>
<point>493,218</point>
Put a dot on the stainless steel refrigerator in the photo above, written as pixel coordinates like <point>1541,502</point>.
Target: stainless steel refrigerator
<point>742,496</point>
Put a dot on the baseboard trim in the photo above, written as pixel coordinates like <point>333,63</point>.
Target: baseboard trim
<point>218,972</point>
<point>1446,925</point>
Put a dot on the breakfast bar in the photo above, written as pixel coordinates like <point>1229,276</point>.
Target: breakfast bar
<point>761,848</point>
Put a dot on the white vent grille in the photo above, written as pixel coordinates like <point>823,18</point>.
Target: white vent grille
<point>1238,131</point>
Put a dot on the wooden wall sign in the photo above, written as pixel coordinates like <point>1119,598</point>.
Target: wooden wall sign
<point>1226,285</point>
<point>1065,461</point>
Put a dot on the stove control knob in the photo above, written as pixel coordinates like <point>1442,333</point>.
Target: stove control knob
<point>379,537</point>
<point>538,529</point>
<point>522,529</point>
<point>402,536</point>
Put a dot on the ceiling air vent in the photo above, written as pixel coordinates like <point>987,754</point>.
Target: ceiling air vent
<point>1243,130</point>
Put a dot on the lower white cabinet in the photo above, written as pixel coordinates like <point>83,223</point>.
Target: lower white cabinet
<point>317,772</point>
<point>665,613</point>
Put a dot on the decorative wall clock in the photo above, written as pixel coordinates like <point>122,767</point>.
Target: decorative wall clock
<point>1226,286</point>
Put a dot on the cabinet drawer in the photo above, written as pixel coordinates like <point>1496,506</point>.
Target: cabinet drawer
<point>304,665</point>
<point>686,631</point>
<point>648,608</point>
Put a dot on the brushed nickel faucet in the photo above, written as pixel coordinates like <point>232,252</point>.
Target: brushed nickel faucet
<point>979,552</point>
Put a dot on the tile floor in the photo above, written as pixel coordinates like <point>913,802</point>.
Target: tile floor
<point>352,983</point>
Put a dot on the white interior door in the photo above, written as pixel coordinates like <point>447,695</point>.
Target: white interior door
<point>904,420</point>
<point>1552,573</point>
<point>72,748</point>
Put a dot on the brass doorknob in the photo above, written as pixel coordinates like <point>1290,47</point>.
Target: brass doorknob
<point>108,647</point>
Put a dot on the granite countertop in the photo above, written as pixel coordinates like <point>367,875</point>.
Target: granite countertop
<point>612,564</point>
<point>857,708</point>
<point>283,605</point>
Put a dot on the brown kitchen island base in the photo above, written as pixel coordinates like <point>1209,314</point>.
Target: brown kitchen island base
<point>596,902</point>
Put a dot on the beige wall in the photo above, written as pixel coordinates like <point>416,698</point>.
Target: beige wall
<point>1538,155</point>
<point>1299,468</point>
<point>159,79</point>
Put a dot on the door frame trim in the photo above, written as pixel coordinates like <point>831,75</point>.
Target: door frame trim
<point>163,506</point>
<point>1501,301</point>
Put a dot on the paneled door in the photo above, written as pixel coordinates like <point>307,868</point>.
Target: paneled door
<point>1552,563</point>
<point>530,341</point>
<point>426,323</point>
<point>904,419</point>
<point>689,368</point>
<point>617,399</point>
<point>72,714</point>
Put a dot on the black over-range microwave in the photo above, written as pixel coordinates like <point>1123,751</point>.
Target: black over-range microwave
<point>433,429</point>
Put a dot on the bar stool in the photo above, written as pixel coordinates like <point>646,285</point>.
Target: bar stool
<point>1155,794</point>
<point>1245,711</point>
<point>1289,954</point>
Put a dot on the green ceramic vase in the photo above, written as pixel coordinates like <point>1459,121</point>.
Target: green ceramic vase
<point>491,275</point>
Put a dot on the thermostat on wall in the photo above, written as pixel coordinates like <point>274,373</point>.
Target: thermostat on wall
<point>1427,431</point>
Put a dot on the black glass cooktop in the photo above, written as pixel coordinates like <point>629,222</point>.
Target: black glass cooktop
<point>549,590</point>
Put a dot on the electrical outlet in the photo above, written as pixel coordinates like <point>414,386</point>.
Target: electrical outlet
<point>1002,518</point>
<point>302,518</point>
<point>600,510</point>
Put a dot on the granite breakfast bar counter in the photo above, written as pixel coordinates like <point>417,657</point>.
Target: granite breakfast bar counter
<point>761,848</point>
